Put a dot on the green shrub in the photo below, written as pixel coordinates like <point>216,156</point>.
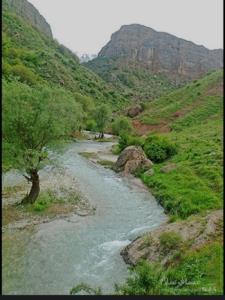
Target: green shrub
<point>25,74</point>
<point>121,125</point>
<point>145,280</point>
<point>159,148</point>
<point>126,140</point>
<point>170,241</point>
<point>43,201</point>
<point>196,273</point>
<point>91,125</point>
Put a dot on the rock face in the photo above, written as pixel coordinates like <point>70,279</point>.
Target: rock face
<point>162,53</point>
<point>195,232</point>
<point>131,159</point>
<point>27,11</point>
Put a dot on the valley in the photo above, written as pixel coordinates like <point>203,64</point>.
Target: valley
<point>110,163</point>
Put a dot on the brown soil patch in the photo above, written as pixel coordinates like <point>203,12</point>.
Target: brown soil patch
<point>144,129</point>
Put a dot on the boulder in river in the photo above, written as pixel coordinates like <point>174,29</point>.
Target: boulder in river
<point>131,159</point>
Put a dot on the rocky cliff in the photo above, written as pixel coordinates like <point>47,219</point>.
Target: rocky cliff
<point>162,53</point>
<point>27,11</point>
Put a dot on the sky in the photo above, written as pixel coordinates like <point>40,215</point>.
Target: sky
<point>85,26</point>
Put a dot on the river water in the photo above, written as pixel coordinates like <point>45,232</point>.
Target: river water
<point>51,258</point>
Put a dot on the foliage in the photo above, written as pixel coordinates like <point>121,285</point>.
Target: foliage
<point>102,116</point>
<point>170,241</point>
<point>132,80</point>
<point>31,122</point>
<point>126,140</point>
<point>144,280</point>
<point>198,272</point>
<point>121,125</point>
<point>43,201</point>
<point>24,74</point>
<point>91,125</point>
<point>196,185</point>
<point>33,57</point>
<point>159,148</point>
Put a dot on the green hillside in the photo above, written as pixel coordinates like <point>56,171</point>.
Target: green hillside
<point>34,58</point>
<point>192,117</point>
<point>133,81</point>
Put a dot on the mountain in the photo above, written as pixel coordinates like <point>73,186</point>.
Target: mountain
<point>26,10</point>
<point>32,55</point>
<point>145,63</point>
<point>85,57</point>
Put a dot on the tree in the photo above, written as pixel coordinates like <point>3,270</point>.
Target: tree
<point>33,118</point>
<point>102,117</point>
<point>121,125</point>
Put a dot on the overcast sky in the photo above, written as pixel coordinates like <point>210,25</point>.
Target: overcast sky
<point>85,26</point>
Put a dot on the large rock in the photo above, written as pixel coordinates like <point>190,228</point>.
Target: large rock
<point>194,232</point>
<point>162,53</point>
<point>131,159</point>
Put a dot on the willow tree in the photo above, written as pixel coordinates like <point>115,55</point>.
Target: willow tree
<point>34,118</point>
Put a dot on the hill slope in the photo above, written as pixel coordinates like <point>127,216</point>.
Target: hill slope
<point>35,57</point>
<point>145,63</point>
<point>191,117</point>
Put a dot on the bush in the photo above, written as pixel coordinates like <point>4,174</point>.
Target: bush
<point>25,74</point>
<point>145,280</point>
<point>121,125</point>
<point>170,241</point>
<point>91,125</point>
<point>126,140</point>
<point>159,148</point>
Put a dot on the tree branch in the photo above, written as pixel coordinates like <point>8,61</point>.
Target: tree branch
<point>27,178</point>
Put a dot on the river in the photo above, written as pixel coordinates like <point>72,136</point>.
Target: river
<point>51,258</point>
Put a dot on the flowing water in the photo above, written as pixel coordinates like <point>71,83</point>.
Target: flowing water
<point>51,258</point>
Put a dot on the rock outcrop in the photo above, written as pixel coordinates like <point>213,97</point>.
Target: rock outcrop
<point>131,159</point>
<point>26,10</point>
<point>193,232</point>
<point>162,53</point>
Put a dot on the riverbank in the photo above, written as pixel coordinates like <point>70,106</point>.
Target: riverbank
<point>60,197</point>
<point>187,250</point>
<point>53,256</point>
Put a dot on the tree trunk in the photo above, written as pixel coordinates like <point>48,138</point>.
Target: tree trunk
<point>35,188</point>
<point>101,135</point>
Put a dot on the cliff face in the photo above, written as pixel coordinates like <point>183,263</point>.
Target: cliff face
<point>162,53</point>
<point>27,11</point>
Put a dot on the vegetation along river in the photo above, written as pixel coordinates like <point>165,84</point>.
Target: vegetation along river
<point>52,257</point>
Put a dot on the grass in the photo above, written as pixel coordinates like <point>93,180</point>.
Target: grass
<point>48,204</point>
<point>196,185</point>
<point>194,100</point>
<point>196,272</point>
<point>170,241</point>
<point>106,163</point>
<point>88,154</point>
